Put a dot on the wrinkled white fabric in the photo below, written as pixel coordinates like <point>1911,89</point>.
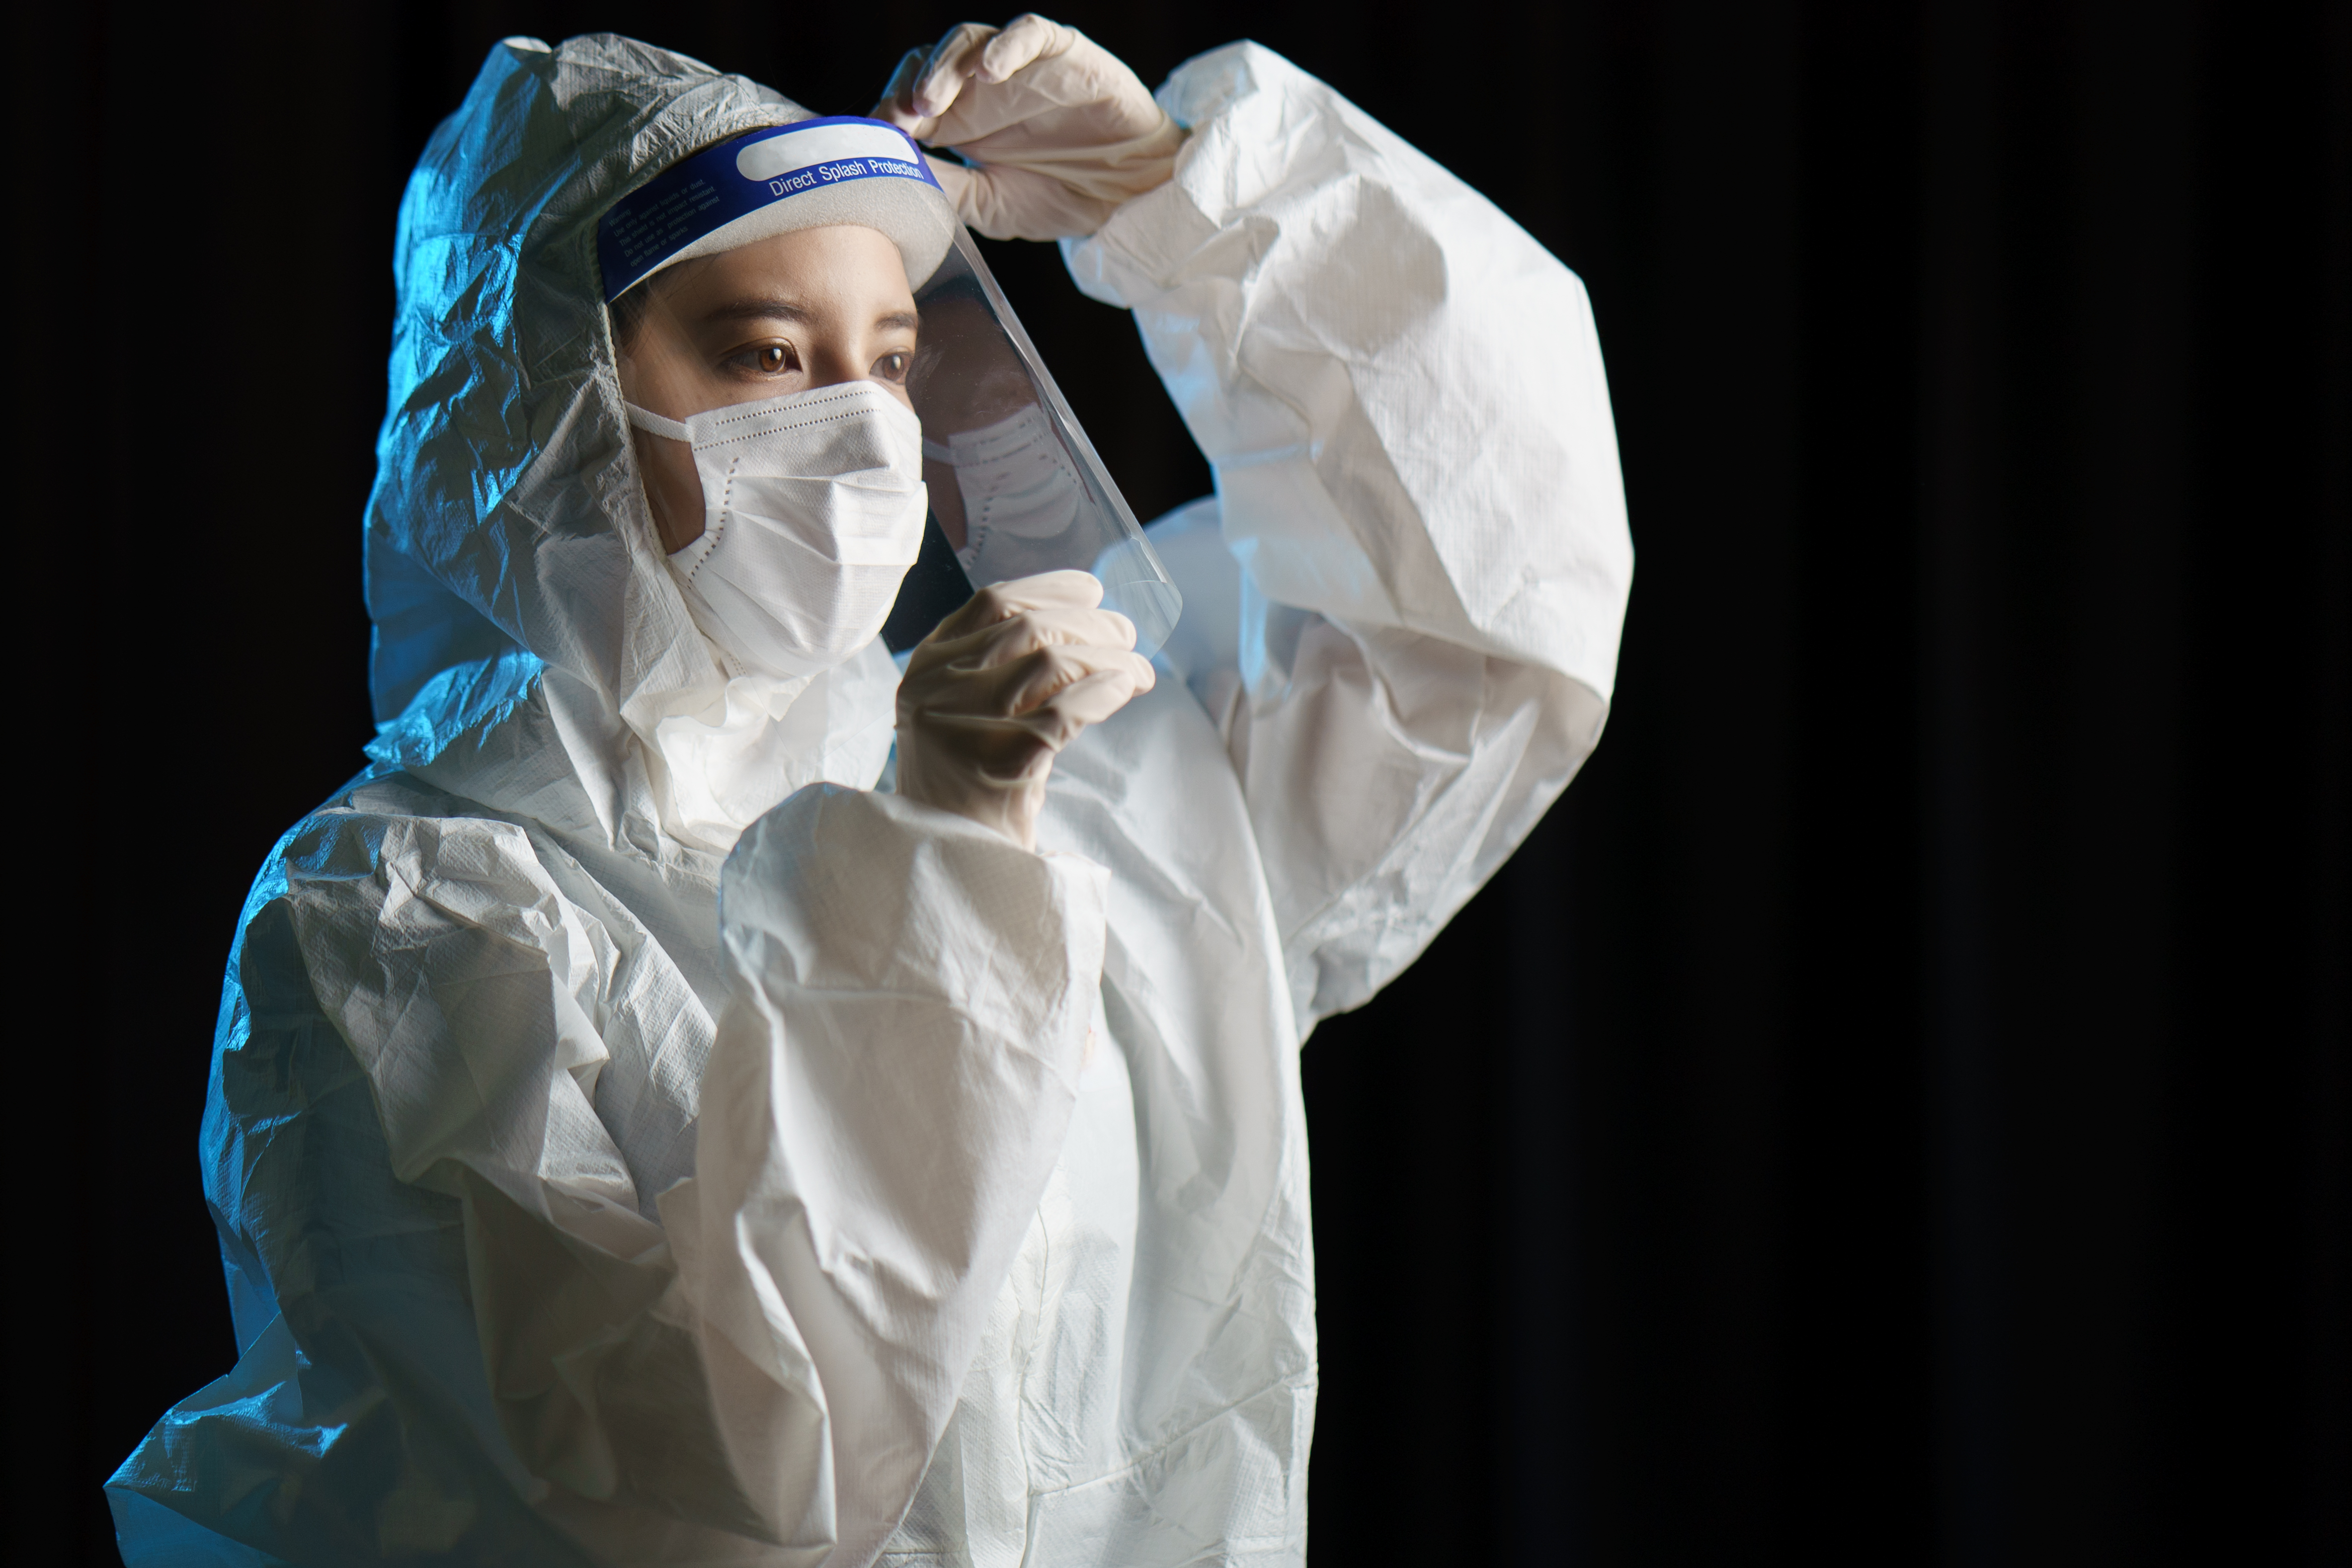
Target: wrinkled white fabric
<point>762,736</point>
<point>812,511</point>
<point>878,1190</point>
<point>1402,397</point>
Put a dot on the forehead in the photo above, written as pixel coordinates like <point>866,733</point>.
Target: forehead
<point>841,266</point>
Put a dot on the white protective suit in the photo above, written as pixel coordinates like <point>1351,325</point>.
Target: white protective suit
<point>637,1138</point>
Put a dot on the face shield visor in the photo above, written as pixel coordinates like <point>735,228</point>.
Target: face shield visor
<point>1013,486</point>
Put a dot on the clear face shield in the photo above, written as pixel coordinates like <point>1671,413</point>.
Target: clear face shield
<point>753,353</point>
<point>1016,485</point>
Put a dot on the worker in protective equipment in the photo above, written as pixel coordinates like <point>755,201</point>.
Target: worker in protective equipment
<point>701,1097</point>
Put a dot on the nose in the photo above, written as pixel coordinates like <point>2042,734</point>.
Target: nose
<point>832,362</point>
<point>828,368</point>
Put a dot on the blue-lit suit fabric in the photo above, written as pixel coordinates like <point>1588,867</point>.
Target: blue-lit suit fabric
<point>638,1136</point>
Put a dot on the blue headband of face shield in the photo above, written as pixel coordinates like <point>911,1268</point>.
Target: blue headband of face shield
<point>833,170</point>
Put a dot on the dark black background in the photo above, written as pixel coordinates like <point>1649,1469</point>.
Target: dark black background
<point>1895,1109</point>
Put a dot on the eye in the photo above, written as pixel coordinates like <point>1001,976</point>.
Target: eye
<point>892,366</point>
<point>764,358</point>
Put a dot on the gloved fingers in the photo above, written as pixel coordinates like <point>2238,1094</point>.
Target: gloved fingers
<point>1004,749</point>
<point>1033,88</point>
<point>1044,677</point>
<point>929,80</point>
<point>989,766</point>
<point>1089,699</point>
<point>1059,131</point>
<point>1026,39</point>
<point>955,58</point>
<point>1097,636</point>
<point>998,641</point>
<point>1068,589</point>
<point>996,754</point>
<point>896,103</point>
<point>1002,686</point>
<point>1025,677</point>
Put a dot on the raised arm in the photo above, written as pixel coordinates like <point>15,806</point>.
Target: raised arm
<point>1402,397</point>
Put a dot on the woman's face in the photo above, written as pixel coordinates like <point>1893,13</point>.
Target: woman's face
<point>814,308</point>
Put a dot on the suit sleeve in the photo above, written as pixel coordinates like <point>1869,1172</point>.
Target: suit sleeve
<point>467,1327</point>
<point>1402,399</point>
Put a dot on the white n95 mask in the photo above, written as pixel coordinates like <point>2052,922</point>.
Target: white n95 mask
<point>1022,496</point>
<point>812,511</point>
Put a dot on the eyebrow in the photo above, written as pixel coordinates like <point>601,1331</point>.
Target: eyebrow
<point>766,309</point>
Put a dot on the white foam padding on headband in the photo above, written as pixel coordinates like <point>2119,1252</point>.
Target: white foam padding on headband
<point>914,217</point>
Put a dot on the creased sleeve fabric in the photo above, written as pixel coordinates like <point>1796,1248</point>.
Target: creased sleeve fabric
<point>1401,396</point>
<point>460,1332</point>
<point>441,1084</point>
<point>893,1078</point>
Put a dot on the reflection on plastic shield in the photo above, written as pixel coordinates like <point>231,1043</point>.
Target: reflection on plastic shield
<point>1016,487</point>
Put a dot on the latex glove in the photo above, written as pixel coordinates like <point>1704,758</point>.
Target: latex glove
<point>1000,687</point>
<point>1059,133</point>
